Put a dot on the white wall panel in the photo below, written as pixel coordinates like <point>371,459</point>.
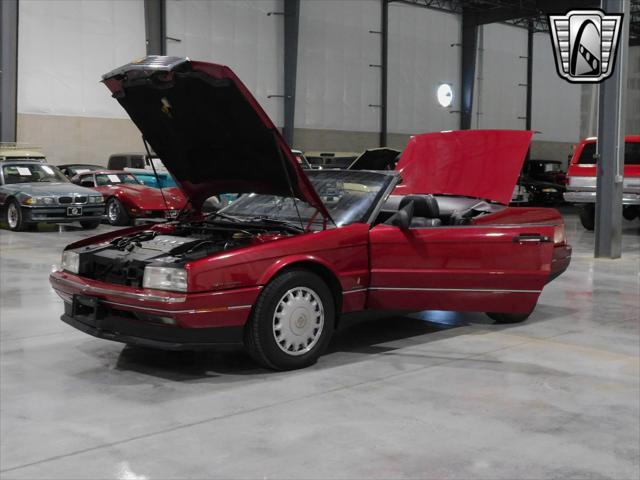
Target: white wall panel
<point>65,47</point>
<point>556,103</point>
<point>501,66</point>
<point>335,84</point>
<point>421,58</point>
<point>239,34</point>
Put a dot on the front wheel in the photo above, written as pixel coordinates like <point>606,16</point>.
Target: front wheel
<point>116,213</point>
<point>508,317</point>
<point>292,321</point>
<point>14,216</point>
<point>588,217</point>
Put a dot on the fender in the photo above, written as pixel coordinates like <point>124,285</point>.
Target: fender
<point>282,263</point>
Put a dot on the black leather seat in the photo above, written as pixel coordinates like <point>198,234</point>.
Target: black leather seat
<point>425,211</point>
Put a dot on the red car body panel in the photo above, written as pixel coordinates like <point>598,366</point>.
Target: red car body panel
<point>139,198</point>
<point>227,176</point>
<point>474,163</point>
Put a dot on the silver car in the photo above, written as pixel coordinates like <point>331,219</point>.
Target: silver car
<point>32,192</point>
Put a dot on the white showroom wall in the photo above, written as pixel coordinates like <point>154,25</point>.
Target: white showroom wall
<point>64,48</point>
<point>424,52</point>
<point>335,84</point>
<point>240,34</point>
<point>555,112</point>
<point>501,71</point>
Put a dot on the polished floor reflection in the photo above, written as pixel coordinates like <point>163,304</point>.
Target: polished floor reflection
<point>433,395</point>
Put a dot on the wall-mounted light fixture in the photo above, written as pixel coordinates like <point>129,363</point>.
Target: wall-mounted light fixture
<point>445,95</point>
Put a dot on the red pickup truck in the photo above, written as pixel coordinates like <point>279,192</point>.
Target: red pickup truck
<point>581,187</point>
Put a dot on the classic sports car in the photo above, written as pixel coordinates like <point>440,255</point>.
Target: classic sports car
<point>127,198</point>
<point>32,192</point>
<point>275,270</point>
<point>70,170</point>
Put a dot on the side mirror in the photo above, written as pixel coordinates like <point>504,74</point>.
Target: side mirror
<point>402,219</point>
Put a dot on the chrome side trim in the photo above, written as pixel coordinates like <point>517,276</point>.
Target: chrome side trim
<point>193,310</point>
<point>487,290</point>
<point>345,292</point>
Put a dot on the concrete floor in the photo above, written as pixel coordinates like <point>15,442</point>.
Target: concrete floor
<point>435,395</point>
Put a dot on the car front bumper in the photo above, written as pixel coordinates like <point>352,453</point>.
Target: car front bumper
<point>59,214</point>
<point>580,196</point>
<point>153,318</point>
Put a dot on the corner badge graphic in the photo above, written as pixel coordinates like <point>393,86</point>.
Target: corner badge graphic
<point>585,44</point>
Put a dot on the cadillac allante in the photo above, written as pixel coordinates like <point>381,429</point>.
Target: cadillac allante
<point>275,270</point>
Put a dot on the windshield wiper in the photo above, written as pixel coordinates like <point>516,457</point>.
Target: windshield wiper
<point>274,221</point>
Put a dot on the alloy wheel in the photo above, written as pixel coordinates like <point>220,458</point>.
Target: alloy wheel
<point>13,216</point>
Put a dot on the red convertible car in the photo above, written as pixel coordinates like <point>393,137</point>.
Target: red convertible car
<point>128,198</point>
<point>275,270</point>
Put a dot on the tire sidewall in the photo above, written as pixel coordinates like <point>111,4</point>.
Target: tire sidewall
<point>262,319</point>
<point>21,224</point>
<point>587,217</point>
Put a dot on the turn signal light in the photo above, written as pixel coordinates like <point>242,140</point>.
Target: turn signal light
<point>559,235</point>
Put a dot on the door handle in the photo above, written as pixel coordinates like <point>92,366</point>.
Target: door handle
<point>531,238</point>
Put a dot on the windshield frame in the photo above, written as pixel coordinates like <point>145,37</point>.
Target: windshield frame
<point>62,178</point>
<point>390,178</point>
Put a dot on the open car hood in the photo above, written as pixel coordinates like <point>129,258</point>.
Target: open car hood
<point>376,159</point>
<point>209,131</point>
<point>474,163</point>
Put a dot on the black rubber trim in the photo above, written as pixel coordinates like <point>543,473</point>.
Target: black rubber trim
<point>144,334</point>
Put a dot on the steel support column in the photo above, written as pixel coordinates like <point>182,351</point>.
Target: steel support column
<point>291,26</point>
<point>8,69</point>
<point>384,71</point>
<point>529,79</point>
<point>469,48</point>
<point>610,150</point>
<point>155,26</point>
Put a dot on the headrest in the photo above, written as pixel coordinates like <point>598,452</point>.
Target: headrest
<point>423,205</point>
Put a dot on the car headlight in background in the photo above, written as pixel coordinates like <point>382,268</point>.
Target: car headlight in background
<point>549,190</point>
<point>165,278</point>
<point>96,199</point>
<point>40,201</point>
<point>70,261</point>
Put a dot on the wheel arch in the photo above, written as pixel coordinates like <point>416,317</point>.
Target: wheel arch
<point>312,264</point>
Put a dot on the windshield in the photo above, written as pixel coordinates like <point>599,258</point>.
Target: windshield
<point>36,172</point>
<point>350,197</point>
<point>149,179</point>
<point>115,178</point>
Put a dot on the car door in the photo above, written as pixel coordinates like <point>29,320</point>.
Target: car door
<point>484,268</point>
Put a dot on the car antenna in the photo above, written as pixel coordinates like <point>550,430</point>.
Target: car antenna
<point>146,147</point>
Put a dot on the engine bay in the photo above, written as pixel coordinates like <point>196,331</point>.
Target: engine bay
<point>123,260</point>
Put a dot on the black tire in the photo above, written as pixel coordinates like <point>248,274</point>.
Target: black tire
<point>588,217</point>
<point>630,212</point>
<point>14,217</point>
<point>508,317</point>
<point>89,224</point>
<point>117,215</point>
<point>261,329</point>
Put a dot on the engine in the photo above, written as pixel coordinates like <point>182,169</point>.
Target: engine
<point>122,260</point>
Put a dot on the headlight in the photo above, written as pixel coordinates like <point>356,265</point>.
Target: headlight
<point>96,199</point>
<point>549,190</point>
<point>40,201</point>
<point>70,261</point>
<point>559,236</point>
<point>165,278</point>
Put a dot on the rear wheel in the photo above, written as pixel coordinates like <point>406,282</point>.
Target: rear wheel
<point>292,321</point>
<point>588,217</point>
<point>116,213</point>
<point>14,217</point>
<point>630,212</point>
<point>89,224</point>
<point>508,317</point>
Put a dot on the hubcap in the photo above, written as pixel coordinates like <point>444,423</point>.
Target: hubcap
<point>12,216</point>
<point>298,321</point>
<point>113,211</point>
